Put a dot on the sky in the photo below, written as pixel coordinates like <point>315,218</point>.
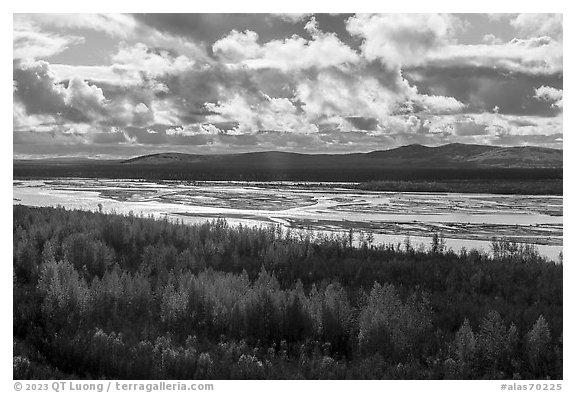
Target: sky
<point>123,85</point>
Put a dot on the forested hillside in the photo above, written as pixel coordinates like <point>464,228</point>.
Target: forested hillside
<point>110,296</point>
<point>498,166</point>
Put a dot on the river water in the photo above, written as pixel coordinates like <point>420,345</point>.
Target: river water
<point>465,220</point>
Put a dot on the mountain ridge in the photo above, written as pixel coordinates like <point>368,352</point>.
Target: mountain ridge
<point>414,155</point>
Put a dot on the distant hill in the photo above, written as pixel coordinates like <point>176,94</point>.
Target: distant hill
<point>454,156</point>
<point>520,157</point>
<point>408,163</point>
<point>162,158</point>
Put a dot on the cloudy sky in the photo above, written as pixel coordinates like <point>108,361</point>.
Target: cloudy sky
<point>124,85</point>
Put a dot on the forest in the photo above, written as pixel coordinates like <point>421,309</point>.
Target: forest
<point>370,176</point>
<point>514,187</point>
<point>132,297</point>
<point>320,169</point>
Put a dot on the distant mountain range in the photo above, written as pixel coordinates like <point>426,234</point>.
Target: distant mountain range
<point>455,155</point>
<point>454,162</point>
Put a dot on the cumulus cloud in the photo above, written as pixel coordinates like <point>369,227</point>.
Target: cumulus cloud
<point>409,124</point>
<point>323,50</point>
<point>468,126</point>
<point>36,88</point>
<point>334,93</point>
<point>550,94</point>
<point>38,92</point>
<point>275,114</point>
<point>140,58</point>
<point>529,25</point>
<point>401,39</point>
<point>439,104</point>
<point>88,99</point>
<point>237,46</point>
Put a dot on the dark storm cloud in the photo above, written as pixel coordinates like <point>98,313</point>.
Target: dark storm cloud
<point>483,88</point>
<point>364,123</point>
<point>40,94</point>
<point>36,88</point>
<point>77,101</point>
<point>192,89</point>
